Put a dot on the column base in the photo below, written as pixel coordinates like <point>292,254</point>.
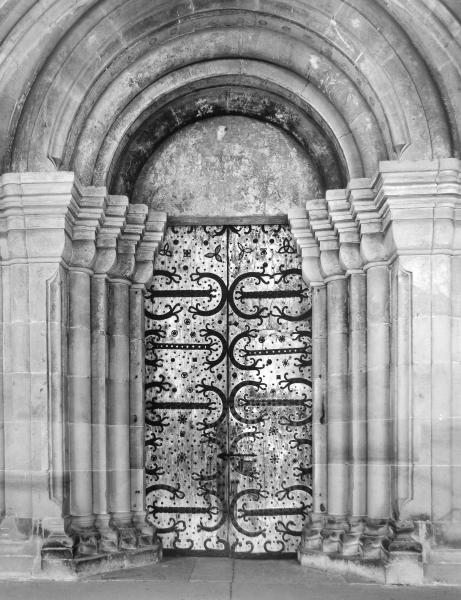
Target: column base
<point>108,537</point>
<point>57,545</point>
<point>353,540</point>
<point>406,539</point>
<point>376,539</point>
<point>126,531</point>
<point>377,550</point>
<point>86,542</point>
<point>43,550</point>
<point>85,535</point>
<point>333,534</point>
<point>146,533</point>
<point>311,537</point>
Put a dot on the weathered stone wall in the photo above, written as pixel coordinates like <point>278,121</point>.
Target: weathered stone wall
<point>228,165</point>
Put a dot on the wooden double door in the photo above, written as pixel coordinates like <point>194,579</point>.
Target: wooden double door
<point>228,391</point>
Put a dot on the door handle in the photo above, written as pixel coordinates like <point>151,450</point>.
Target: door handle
<point>226,455</point>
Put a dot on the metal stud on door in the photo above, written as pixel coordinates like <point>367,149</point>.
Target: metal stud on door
<point>228,352</point>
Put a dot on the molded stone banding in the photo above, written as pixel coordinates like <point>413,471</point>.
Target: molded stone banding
<point>354,42</point>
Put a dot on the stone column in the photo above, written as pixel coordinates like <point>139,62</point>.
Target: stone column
<point>88,211</point>
<point>118,408</point>
<point>378,409</point>
<point>375,257</point>
<point>351,261</point>
<point>34,244</point>
<point>106,243</point>
<point>337,414</point>
<point>319,393</point>
<point>142,276</point>
<point>311,538</point>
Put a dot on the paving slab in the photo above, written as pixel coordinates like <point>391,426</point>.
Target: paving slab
<point>299,591</point>
<point>116,590</point>
<point>285,591</point>
<point>281,571</point>
<point>193,578</point>
<point>213,569</point>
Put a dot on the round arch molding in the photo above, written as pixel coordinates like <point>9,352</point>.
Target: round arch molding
<point>126,149</point>
<point>351,67</point>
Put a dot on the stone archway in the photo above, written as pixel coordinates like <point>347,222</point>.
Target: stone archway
<point>382,247</point>
<point>108,270</point>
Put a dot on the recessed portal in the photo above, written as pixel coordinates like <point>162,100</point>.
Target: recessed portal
<point>228,391</point>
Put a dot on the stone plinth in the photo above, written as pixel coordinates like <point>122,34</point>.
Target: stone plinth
<point>74,568</point>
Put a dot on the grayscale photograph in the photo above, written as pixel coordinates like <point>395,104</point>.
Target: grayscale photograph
<point>230,299</point>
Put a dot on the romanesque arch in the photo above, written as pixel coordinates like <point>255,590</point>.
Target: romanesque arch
<point>370,90</point>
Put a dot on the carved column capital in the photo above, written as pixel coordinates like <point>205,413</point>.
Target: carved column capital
<point>108,233</point>
<point>128,241</point>
<point>343,221</point>
<point>152,237</point>
<point>85,213</point>
<point>361,198</point>
<point>327,239</point>
<point>307,246</point>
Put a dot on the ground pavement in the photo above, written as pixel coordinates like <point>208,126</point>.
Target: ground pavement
<point>190,578</point>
